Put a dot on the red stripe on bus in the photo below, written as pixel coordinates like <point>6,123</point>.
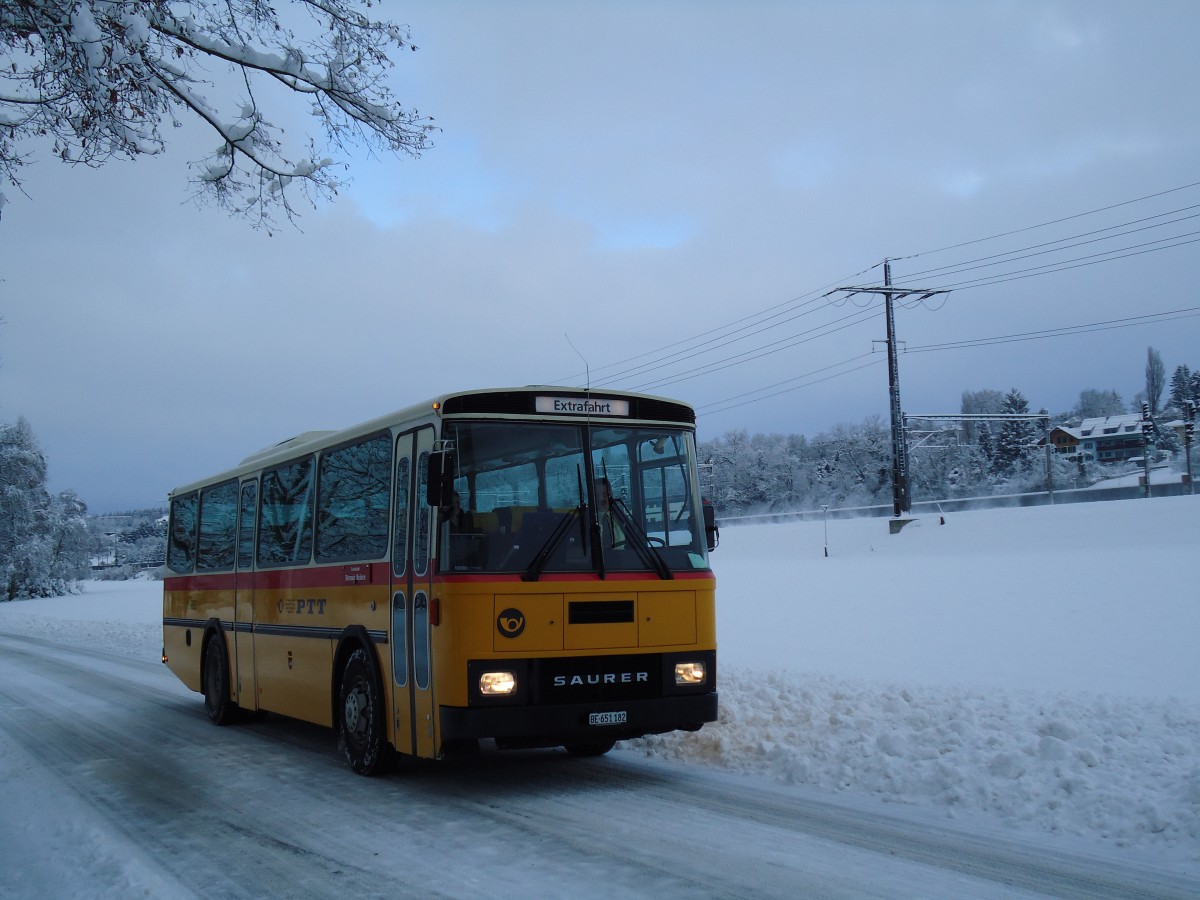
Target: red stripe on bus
<point>339,575</point>
<point>222,582</point>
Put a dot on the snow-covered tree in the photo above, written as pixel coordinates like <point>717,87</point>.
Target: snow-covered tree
<point>43,539</point>
<point>982,402</point>
<point>95,80</point>
<point>1182,387</point>
<point>1016,442</point>
<point>855,464</point>
<point>68,537</point>
<point>22,491</point>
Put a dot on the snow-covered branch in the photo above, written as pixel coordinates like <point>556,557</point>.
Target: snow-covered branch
<point>95,79</point>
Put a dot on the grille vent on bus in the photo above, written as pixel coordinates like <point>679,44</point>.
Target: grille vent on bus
<point>596,612</point>
<point>509,402</point>
<point>521,403</point>
<point>663,411</point>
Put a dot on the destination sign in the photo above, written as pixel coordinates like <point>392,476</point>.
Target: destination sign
<point>581,406</point>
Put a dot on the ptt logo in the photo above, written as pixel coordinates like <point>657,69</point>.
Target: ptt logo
<point>312,607</point>
<point>511,623</point>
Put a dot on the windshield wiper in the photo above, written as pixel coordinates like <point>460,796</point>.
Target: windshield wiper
<point>646,551</point>
<point>534,570</point>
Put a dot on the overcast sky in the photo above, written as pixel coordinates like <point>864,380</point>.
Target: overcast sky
<point>669,186</point>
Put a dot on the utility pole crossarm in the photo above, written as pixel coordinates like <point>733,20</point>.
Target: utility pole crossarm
<point>894,291</point>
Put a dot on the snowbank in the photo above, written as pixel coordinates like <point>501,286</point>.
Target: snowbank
<point>1111,768</point>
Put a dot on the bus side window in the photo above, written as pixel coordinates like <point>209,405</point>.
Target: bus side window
<point>215,548</point>
<point>353,491</point>
<point>285,527</point>
<point>181,550</point>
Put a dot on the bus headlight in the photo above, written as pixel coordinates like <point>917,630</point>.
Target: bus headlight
<point>689,673</point>
<point>497,684</point>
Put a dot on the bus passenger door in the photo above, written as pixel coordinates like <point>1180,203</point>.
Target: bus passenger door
<point>412,689</point>
<point>245,690</point>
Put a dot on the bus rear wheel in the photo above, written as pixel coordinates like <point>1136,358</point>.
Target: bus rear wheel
<point>362,729</point>
<point>216,682</point>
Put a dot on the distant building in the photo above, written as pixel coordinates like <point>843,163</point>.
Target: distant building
<point>1110,439</point>
<point>1065,440</point>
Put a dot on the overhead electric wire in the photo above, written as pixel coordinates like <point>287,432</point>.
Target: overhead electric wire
<point>1065,331</point>
<point>719,342</point>
<point>1090,212</point>
<point>1062,265</point>
<point>738,397</point>
<point>722,408</point>
<point>753,316</point>
<point>982,262</point>
<point>795,340</point>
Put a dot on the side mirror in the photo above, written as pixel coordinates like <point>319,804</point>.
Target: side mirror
<point>711,531</point>
<point>439,481</point>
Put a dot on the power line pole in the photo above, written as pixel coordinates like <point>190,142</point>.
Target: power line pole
<point>901,496</point>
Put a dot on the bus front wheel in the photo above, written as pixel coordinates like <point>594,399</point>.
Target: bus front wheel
<point>216,682</point>
<point>362,728</point>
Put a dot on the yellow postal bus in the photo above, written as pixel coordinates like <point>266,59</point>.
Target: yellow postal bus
<point>527,566</point>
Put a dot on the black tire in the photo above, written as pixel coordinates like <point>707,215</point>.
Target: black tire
<point>596,748</point>
<point>216,682</point>
<point>361,722</point>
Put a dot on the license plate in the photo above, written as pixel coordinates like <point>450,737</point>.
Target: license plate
<point>608,718</point>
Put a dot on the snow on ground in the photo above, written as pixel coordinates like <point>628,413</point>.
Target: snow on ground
<point>1034,665</point>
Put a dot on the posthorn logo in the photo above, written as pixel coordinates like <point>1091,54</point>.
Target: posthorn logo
<point>511,622</point>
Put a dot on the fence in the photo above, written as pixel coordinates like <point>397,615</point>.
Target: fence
<point>933,507</point>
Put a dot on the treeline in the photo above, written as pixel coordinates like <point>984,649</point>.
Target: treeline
<point>128,543</point>
<point>851,465</point>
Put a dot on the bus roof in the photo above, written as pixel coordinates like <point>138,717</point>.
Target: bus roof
<point>511,402</point>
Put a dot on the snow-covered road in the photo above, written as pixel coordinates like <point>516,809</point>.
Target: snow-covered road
<point>110,756</point>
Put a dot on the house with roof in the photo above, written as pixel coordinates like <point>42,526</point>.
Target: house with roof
<point>1110,439</point>
<point>1064,440</point>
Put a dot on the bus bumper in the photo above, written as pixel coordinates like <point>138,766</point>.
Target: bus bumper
<point>549,726</point>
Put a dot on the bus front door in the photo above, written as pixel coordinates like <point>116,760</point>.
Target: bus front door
<point>412,688</point>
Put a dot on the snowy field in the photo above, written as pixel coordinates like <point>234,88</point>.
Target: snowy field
<point>1036,667</point>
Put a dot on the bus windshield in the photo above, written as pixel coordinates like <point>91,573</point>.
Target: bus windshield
<point>531,498</point>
